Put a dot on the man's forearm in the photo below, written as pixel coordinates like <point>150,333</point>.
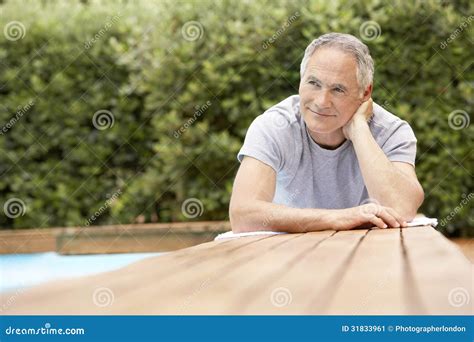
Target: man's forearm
<point>385,183</point>
<point>261,215</point>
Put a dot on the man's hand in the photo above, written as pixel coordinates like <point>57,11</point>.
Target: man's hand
<point>369,215</point>
<point>360,117</point>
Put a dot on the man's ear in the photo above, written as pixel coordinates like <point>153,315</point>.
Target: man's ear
<point>367,93</point>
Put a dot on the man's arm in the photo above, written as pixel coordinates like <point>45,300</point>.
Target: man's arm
<point>392,184</point>
<point>251,207</point>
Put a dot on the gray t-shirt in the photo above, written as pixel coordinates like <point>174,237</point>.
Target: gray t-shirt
<point>309,176</point>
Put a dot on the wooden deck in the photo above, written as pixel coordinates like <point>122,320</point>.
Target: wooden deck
<point>390,271</point>
<point>125,238</point>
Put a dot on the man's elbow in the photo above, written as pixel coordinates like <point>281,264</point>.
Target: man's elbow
<point>409,209</point>
<point>237,218</point>
<point>248,217</point>
<point>407,214</point>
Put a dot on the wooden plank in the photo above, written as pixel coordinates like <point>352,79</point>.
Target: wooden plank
<point>27,241</point>
<point>130,238</point>
<point>441,273</point>
<point>139,238</point>
<point>131,242</point>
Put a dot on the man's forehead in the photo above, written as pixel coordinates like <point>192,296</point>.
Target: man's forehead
<point>331,62</point>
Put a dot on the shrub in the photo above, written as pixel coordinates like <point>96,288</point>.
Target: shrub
<point>183,83</point>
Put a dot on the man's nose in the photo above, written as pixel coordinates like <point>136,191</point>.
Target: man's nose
<point>323,99</point>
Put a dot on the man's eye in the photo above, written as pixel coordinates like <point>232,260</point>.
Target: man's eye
<point>339,90</point>
<point>313,83</point>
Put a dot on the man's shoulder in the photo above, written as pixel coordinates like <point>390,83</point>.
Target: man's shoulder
<point>383,117</point>
<point>274,137</point>
<point>284,116</point>
<point>384,123</point>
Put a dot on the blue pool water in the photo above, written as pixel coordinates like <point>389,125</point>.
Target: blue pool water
<point>19,271</point>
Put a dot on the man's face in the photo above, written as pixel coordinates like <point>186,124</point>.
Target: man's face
<point>329,91</point>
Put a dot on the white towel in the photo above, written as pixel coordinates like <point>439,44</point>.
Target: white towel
<point>231,235</point>
<point>423,221</point>
<point>416,222</point>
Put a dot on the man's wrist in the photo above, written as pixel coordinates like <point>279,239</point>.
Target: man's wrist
<point>359,130</point>
<point>338,219</point>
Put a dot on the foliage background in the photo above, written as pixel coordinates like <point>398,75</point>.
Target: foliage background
<point>153,81</point>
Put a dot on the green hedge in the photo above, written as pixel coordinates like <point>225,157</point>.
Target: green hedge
<point>181,99</point>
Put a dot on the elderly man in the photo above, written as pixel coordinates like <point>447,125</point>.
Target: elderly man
<point>327,158</point>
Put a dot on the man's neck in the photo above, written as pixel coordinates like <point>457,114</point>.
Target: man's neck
<point>328,141</point>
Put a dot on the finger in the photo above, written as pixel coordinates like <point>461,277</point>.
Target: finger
<point>378,222</point>
<point>388,218</point>
<point>397,216</point>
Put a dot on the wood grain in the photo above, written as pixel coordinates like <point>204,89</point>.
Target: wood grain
<point>390,271</point>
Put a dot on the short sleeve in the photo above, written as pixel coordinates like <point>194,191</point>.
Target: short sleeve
<point>268,140</point>
<point>401,144</point>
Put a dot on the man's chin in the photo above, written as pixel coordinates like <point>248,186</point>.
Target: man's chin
<point>321,127</point>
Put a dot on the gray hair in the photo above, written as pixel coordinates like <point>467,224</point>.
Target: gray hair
<point>347,43</point>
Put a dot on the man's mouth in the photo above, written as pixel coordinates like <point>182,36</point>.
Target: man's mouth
<point>320,114</point>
